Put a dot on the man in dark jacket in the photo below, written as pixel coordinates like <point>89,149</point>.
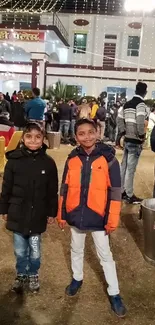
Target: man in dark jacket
<point>101,116</point>
<point>131,124</point>
<point>4,105</point>
<point>74,110</point>
<point>18,112</point>
<point>65,119</point>
<point>29,199</point>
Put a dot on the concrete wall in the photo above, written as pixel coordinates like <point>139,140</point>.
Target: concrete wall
<point>99,25</point>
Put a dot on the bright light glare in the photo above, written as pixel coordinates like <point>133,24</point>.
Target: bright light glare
<point>140,5</point>
<point>80,36</point>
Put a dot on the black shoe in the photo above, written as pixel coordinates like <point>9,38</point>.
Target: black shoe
<point>133,200</point>
<point>73,288</point>
<point>34,285</point>
<point>124,196</point>
<point>117,305</point>
<point>20,284</point>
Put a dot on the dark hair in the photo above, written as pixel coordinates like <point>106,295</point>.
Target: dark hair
<point>36,91</point>
<point>153,108</point>
<point>141,88</point>
<point>83,121</point>
<point>33,126</point>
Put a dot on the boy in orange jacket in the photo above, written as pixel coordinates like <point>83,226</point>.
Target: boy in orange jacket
<point>90,200</point>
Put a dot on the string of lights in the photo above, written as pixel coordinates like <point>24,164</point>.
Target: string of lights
<point>16,4</point>
<point>28,5</point>
<point>107,6</point>
<point>43,4</point>
<point>61,7</point>
<point>4,3</point>
<point>48,8</point>
<point>35,3</point>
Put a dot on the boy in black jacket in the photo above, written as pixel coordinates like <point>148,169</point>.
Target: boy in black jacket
<point>29,201</point>
<point>152,141</point>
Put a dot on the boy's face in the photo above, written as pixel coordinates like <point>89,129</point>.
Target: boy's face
<point>33,140</point>
<point>86,136</point>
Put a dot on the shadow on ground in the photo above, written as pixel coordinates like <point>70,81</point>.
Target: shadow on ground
<point>130,219</point>
<point>12,306</point>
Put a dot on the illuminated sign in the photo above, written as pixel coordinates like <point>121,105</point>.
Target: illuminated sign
<point>24,36</point>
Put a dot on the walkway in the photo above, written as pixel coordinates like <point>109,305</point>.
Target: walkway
<point>51,306</point>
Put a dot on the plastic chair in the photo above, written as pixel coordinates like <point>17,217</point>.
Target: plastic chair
<point>2,154</point>
<point>14,141</point>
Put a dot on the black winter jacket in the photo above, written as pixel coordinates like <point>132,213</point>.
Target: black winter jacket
<point>29,190</point>
<point>101,113</point>
<point>64,112</point>
<point>152,139</point>
<point>18,114</point>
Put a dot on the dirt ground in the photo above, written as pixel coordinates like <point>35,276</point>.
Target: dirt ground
<point>90,306</point>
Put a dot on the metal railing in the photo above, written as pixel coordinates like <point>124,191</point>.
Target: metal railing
<point>31,18</point>
<point>57,22</point>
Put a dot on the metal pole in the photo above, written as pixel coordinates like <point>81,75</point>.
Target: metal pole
<point>140,47</point>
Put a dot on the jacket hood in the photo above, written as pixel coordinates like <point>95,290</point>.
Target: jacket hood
<point>24,151</point>
<point>101,149</point>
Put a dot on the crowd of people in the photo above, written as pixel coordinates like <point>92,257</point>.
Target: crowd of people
<point>65,115</point>
<point>92,184</point>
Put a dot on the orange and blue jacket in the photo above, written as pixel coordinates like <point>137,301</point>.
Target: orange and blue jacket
<point>90,195</point>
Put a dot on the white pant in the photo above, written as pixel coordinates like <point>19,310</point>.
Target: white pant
<point>102,124</point>
<point>101,241</point>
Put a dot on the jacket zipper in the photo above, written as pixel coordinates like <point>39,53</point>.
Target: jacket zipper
<point>32,206</point>
<point>84,191</point>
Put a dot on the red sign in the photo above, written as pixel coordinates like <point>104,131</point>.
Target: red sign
<point>24,36</point>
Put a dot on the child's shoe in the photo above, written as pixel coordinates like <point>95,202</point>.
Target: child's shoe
<point>73,288</point>
<point>117,305</point>
<point>34,285</point>
<point>20,284</point>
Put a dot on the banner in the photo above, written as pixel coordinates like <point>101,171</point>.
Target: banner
<point>23,36</point>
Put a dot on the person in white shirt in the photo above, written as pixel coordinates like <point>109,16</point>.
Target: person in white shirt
<point>151,125</point>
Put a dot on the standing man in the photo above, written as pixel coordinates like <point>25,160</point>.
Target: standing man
<point>65,119</point>
<point>131,124</point>
<point>113,123</point>
<point>4,105</point>
<point>35,107</point>
<point>18,112</point>
<point>101,116</point>
<point>74,110</point>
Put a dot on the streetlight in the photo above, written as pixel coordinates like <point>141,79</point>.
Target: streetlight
<point>141,6</point>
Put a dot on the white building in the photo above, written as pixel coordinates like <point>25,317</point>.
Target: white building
<point>101,54</point>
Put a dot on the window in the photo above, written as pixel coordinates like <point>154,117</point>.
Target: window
<point>80,43</point>
<point>108,36</point>
<point>133,46</point>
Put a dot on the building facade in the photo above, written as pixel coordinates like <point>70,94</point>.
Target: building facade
<point>95,52</point>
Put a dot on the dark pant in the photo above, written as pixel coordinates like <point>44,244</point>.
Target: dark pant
<point>64,128</point>
<point>154,184</point>
<point>129,163</point>
<point>112,133</point>
<point>72,127</point>
<point>27,252</point>
<point>118,139</point>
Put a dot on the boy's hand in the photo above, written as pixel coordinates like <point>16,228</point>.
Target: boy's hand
<point>50,220</point>
<point>109,230</point>
<point>4,217</point>
<point>62,225</point>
